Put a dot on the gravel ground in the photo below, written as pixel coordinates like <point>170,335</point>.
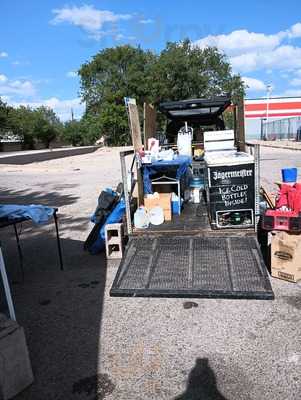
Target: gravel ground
<point>86,345</point>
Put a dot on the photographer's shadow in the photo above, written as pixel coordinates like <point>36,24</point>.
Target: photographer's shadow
<point>201,383</point>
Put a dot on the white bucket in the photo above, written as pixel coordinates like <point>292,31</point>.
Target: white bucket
<point>156,216</point>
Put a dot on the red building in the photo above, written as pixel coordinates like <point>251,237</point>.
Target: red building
<point>259,112</point>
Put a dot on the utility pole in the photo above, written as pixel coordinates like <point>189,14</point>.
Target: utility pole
<point>269,91</point>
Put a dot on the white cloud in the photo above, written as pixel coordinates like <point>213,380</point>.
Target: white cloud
<point>61,107</point>
<point>88,18</point>
<point>71,74</point>
<point>240,41</point>
<point>295,31</point>
<point>295,82</point>
<point>3,78</point>
<point>146,21</point>
<point>120,36</point>
<point>290,93</point>
<point>298,72</point>
<point>282,57</point>
<point>6,99</point>
<point>17,92</point>
<point>3,54</point>
<point>250,51</point>
<point>17,62</point>
<point>22,88</point>
<point>254,84</point>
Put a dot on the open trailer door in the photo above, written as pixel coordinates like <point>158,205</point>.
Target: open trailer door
<point>184,263</point>
<point>192,266</point>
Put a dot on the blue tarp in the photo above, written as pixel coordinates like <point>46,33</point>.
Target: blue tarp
<point>114,217</point>
<point>181,162</point>
<point>37,213</point>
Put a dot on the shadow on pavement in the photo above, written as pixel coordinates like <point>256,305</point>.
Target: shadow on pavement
<point>201,383</point>
<point>51,199</point>
<point>61,312</point>
<point>22,159</point>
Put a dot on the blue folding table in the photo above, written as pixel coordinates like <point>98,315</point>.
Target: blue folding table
<point>9,220</point>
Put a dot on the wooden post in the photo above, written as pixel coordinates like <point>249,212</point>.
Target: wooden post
<point>137,144</point>
<point>240,125</point>
<point>135,127</point>
<point>149,126</point>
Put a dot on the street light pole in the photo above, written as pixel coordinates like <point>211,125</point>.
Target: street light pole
<point>269,90</point>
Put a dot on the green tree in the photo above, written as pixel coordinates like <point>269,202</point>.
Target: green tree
<point>180,71</point>
<point>115,73</point>
<point>22,122</point>
<point>72,132</point>
<point>91,128</point>
<point>229,119</point>
<point>46,126</point>
<point>114,124</point>
<point>185,71</point>
<point>4,118</point>
<point>34,125</point>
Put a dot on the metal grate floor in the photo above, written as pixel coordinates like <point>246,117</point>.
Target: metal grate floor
<point>168,266</point>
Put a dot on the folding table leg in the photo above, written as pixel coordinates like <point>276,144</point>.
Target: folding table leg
<point>58,241</point>
<point>19,251</point>
<point>7,288</point>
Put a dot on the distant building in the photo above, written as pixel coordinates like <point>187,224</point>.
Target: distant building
<point>262,112</point>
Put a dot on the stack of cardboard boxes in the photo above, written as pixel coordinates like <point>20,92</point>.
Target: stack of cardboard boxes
<point>162,200</point>
<point>283,220</point>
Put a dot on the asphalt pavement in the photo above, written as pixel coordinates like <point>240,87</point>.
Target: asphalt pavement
<point>86,345</point>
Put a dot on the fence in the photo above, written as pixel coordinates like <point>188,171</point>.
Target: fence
<point>282,129</point>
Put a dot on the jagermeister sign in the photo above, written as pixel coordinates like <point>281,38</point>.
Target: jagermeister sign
<point>231,187</point>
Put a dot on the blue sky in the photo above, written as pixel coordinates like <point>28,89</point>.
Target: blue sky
<point>44,42</point>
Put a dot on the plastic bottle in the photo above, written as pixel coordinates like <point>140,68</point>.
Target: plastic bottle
<point>141,218</point>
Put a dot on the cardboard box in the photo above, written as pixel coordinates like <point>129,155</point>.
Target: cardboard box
<point>286,256</point>
<point>163,200</point>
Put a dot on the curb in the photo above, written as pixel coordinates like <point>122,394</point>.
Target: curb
<point>280,147</point>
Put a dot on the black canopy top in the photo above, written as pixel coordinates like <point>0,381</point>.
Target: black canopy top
<point>196,110</point>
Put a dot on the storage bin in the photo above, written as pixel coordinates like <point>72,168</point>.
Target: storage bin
<point>289,174</point>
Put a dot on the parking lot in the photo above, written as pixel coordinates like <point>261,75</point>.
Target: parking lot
<point>86,345</point>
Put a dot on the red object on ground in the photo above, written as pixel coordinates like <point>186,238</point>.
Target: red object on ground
<point>290,220</point>
<point>282,201</point>
<point>297,199</point>
<point>291,198</point>
<point>282,221</point>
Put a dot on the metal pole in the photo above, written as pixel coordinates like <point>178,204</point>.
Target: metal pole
<point>126,194</point>
<point>257,184</point>
<point>269,89</point>
<point>58,241</point>
<point>19,251</point>
<point>6,287</point>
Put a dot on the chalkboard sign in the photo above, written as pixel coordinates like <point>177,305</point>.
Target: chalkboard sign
<point>233,174</point>
<point>231,188</point>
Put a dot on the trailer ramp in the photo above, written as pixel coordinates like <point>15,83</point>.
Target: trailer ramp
<point>190,266</point>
